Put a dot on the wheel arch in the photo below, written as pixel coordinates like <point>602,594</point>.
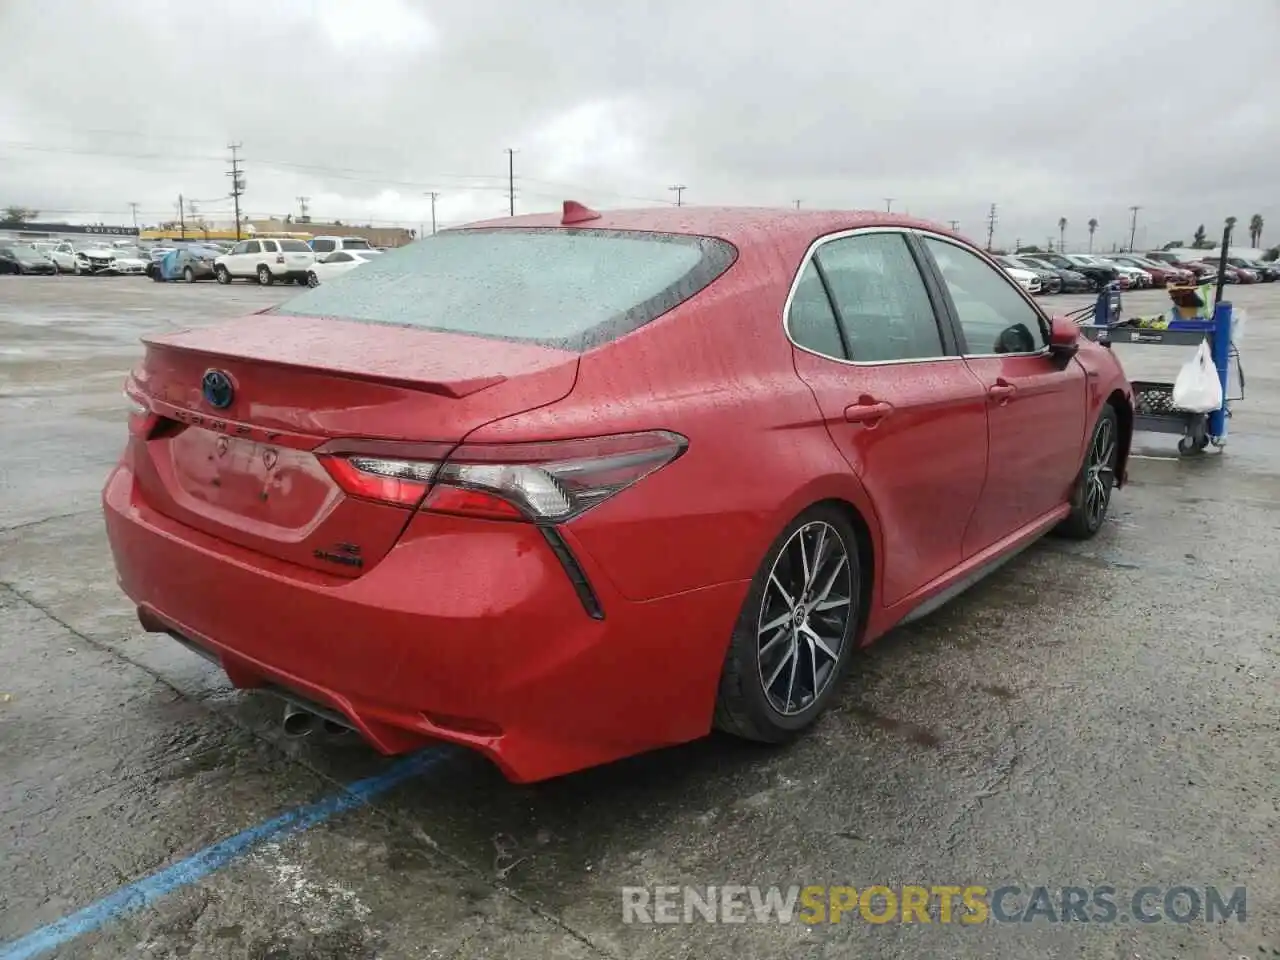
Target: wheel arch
<point>1119,402</point>
<point>867,559</point>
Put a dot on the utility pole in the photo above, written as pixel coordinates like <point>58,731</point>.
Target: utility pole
<point>303,217</point>
<point>955,224</point>
<point>678,189</point>
<point>992,220</point>
<point>1017,244</point>
<point>1133,226</point>
<point>511,180</point>
<point>797,204</point>
<point>182,217</point>
<point>237,181</point>
<point>432,194</point>
<point>888,204</point>
<point>134,207</point>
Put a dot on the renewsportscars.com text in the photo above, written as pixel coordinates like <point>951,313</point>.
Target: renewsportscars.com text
<point>946,904</point>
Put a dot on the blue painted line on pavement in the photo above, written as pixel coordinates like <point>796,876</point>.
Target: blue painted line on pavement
<point>146,891</point>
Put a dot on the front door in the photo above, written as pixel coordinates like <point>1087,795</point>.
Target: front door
<point>1036,404</point>
<point>905,411</point>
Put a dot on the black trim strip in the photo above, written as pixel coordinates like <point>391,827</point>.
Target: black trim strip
<point>581,585</point>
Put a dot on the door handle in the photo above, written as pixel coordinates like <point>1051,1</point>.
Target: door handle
<point>867,411</point>
<point>1001,391</point>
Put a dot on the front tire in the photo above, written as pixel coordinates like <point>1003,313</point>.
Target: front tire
<point>1092,493</point>
<point>795,634</point>
<point>220,272</point>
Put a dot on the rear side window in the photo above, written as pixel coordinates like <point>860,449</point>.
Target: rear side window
<point>322,246</point>
<point>253,246</point>
<point>572,289</point>
<point>811,320</point>
<point>880,298</point>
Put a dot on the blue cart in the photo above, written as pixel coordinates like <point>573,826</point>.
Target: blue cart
<point>1153,402</point>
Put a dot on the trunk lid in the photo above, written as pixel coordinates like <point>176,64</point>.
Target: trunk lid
<point>245,471</point>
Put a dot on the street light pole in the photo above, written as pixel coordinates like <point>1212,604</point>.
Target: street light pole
<point>678,189</point>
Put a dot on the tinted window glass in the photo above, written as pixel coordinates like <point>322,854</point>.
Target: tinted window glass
<point>563,288</point>
<point>993,314</point>
<point>811,320</point>
<point>321,246</point>
<point>355,243</point>
<point>294,246</point>
<point>339,257</point>
<point>253,247</point>
<point>881,298</point>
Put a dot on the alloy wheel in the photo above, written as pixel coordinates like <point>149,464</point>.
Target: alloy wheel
<point>804,618</point>
<point>1100,472</point>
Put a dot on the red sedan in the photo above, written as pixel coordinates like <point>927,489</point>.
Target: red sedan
<point>567,488</point>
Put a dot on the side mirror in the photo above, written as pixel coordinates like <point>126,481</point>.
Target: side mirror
<point>1064,337</point>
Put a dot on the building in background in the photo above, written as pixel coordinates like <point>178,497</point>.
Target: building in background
<point>378,236</point>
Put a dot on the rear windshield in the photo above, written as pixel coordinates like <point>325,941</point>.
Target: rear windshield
<point>572,289</point>
<point>355,243</point>
<point>294,246</point>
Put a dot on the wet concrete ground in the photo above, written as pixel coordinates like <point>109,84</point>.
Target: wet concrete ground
<point>1095,713</point>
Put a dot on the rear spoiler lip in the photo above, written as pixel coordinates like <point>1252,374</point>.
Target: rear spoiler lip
<point>453,389</point>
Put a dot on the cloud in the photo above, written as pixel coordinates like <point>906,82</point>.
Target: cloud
<point>1079,112</point>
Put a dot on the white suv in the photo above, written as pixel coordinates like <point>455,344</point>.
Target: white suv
<point>266,261</point>
<point>326,245</point>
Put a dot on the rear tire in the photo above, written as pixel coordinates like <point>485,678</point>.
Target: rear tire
<point>312,279</point>
<point>188,275</point>
<point>1091,495</point>
<point>795,635</point>
<point>265,278</point>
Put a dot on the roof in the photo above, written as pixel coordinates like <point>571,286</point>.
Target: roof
<point>728,223</point>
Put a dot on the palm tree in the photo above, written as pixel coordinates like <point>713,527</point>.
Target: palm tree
<point>1231,227</point>
<point>1255,230</point>
<point>1062,234</point>
<point>1093,226</point>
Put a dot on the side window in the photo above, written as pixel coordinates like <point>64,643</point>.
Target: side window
<point>881,298</point>
<point>270,246</point>
<point>811,320</point>
<point>253,246</point>
<point>321,246</point>
<point>993,314</point>
<point>241,247</point>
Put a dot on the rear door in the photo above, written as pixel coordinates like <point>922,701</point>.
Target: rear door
<point>1036,405</point>
<point>901,405</point>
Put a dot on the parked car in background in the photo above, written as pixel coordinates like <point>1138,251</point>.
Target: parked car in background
<point>1098,274</point>
<point>1028,280</point>
<point>190,263</point>
<point>337,263</point>
<point>519,429</point>
<point>1069,281</point>
<point>1050,282</point>
<point>323,245</point>
<point>1199,268</point>
<point>109,261</point>
<point>22,258</point>
<point>266,261</point>
<point>62,254</point>
<point>1161,274</point>
<point>1265,272</point>
<point>1138,278</point>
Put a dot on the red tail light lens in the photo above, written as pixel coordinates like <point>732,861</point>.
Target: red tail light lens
<point>551,482</point>
<point>544,482</point>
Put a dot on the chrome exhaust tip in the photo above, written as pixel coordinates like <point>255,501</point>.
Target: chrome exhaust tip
<point>297,722</point>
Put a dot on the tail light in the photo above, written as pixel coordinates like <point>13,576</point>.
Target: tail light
<point>547,482</point>
<point>279,258</point>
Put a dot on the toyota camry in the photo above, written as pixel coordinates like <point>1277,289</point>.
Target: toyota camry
<point>568,487</point>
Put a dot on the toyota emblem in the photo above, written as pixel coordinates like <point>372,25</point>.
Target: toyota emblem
<point>217,389</point>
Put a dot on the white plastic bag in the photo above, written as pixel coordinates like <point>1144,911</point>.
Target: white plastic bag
<point>1198,388</point>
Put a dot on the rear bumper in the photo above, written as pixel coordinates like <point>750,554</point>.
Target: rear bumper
<point>468,631</point>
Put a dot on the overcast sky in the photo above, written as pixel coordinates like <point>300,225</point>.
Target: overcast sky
<point>1077,109</point>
